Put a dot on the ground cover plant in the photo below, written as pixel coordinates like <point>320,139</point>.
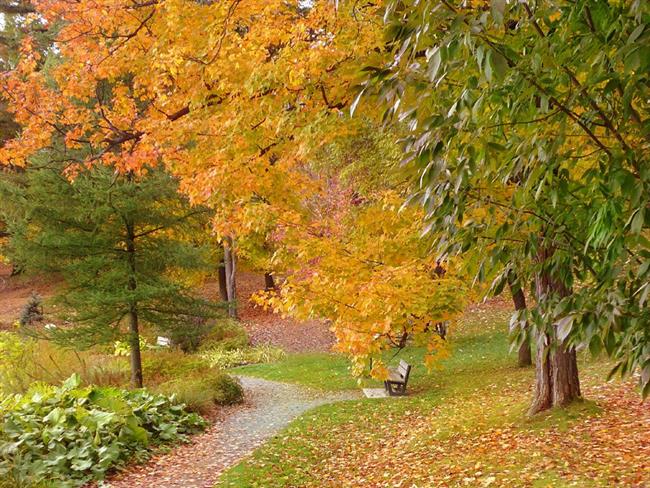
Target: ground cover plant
<point>70,434</point>
<point>462,425</point>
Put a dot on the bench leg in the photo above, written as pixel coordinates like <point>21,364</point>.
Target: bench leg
<point>395,389</point>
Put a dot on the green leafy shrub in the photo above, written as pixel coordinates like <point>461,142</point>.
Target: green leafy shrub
<point>201,393</point>
<point>225,359</point>
<point>69,435</point>
<point>225,334</point>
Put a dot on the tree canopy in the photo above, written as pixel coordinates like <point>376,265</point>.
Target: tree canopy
<point>529,129</point>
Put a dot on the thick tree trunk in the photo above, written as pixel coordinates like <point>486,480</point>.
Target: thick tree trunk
<point>134,332</point>
<point>557,382</point>
<point>223,286</point>
<point>269,282</point>
<point>566,381</point>
<point>231,269</point>
<point>519,299</point>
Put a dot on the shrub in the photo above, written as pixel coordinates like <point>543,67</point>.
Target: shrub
<point>227,390</point>
<point>225,359</point>
<point>15,354</point>
<point>202,393</point>
<point>225,335</point>
<point>70,435</point>
<point>26,360</point>
<point>189,337</point>
<point>32,311</point>
<point>163,366</point>
<point>123,348</point>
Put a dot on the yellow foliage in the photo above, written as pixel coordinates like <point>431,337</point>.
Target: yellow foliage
<point>374,278</point>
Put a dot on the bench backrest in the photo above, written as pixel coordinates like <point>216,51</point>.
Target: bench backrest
<point>404,369</point>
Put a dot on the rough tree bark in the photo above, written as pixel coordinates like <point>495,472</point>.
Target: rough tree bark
<point>134,332</point>
<point>230,268</point>
<point>519,299</point>
<point>556,372</point>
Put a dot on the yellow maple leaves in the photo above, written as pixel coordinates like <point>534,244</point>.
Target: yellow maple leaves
<point>374,278</point>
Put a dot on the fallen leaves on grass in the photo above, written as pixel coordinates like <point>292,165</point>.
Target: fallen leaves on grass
<point>472,440</point>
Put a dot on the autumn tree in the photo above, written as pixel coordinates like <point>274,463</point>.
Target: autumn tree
<point>529,128</point>
<point>358,260</point>
<point>232,113</point>
<point>122,243</point>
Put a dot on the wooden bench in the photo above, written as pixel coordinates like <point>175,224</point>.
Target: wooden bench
<point>398,378</point>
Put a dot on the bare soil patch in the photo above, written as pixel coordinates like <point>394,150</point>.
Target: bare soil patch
<point>16,290</point>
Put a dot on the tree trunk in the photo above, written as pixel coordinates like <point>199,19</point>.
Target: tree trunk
<point>230,268</point>
<point>223,286</point>
<point>269,282</point>
<point>566,381</point>
<point>543,399</point>
<point>134,332</point>
<point>136,359</point>
<point>519,299</point>
<point>557,382</point>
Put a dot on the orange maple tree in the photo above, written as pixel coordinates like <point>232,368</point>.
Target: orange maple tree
<point>229,96</point>
<point>233,97</point>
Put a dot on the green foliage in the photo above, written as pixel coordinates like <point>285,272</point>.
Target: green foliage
<point>230,358</point>
<point>226,335</point>
<point>24,360</point>
<point>14,361</point>
<point>82,230</point>
<point>122,348</point>
<point>200,393</point>
<point>529,131</point>
<point>69,435</point>
<point>202,334</point>
<point>124,244</point>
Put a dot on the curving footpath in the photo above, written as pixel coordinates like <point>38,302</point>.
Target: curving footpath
<point>269,407</point>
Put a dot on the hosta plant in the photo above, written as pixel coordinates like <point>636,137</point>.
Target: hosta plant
<point>69,435</point>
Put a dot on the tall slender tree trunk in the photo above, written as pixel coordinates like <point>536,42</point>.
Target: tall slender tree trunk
<point>223,286</point>
<point>136,358</point>
<point>519,300</point>
<point>269,282</point>
<point>557,382</point>
<point>231,269</point>
<point>134,332</point>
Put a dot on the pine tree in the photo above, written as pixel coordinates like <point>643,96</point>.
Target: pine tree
<point>121,243</point>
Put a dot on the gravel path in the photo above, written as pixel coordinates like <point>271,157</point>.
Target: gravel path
<point>269,407</point>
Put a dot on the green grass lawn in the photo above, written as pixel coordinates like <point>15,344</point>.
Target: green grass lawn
<point>461,425</point>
